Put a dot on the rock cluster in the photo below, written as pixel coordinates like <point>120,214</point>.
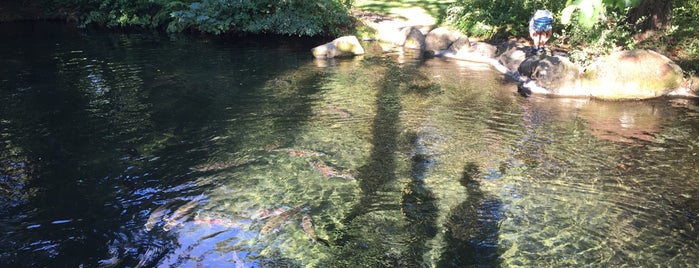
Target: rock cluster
<point>635,74</point>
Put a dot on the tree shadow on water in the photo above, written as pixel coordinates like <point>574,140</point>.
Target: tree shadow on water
<point>472,227</point>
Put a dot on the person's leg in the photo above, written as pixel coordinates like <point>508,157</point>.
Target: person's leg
<point>545,36</point>
<point>535,38</point>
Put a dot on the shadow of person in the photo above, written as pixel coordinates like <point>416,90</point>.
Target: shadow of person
<point>472,227</point>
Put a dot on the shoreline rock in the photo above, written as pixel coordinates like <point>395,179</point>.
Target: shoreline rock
<point>341,46</point>
<point>624,75</point>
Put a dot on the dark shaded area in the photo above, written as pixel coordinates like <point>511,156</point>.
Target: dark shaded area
<point>650,15</point>
<point>14,10</point>
<point>103,128</point>
<point>376,176</point>
<point>418,201</point>
<point>472,227</point>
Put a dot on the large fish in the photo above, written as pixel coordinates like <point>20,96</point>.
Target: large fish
<point>155,217</point>
<point>308,228</point>
<point>307,225</point>
<point>276,221</point>
<point>180,214</point>
<point>216,166</point>
<point>294,152</point>
<point>329,171</point>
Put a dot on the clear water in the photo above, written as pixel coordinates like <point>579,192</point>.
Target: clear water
<point>398,162</point>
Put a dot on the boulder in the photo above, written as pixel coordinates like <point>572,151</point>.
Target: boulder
<point>635,74</point>
<point>552,75</point>
<point>484,49</point>
<point>390,34</point>
<point>558,75</point>
<point>460,43</point>
<point>477,52</point>
<point>414,38</point>
<point>440,39</point>
<point>512,58</point>
<point>342,46</point>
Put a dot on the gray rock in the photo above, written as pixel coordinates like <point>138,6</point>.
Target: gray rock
<point>460,43</point>
<point>414,39</point>
<point>551,75</point>
<point>512,58</point>
<point>440,39</point>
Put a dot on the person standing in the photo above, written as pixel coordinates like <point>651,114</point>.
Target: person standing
<point>540,29</point>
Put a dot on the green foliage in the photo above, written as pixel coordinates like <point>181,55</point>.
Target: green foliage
<point>588,42</point>
<point>593,10</point>
<point>600,24</point>
<point>497,18</point>
<point>291,17</point>
<point>685,26</point>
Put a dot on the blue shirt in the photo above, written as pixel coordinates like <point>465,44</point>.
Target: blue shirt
<point>541,21</point>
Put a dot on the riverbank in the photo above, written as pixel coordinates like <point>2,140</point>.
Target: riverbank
<point>429,15</point>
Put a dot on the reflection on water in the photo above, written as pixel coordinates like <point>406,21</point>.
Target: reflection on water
<point>146,150</point>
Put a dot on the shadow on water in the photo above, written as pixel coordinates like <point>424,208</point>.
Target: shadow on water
<point>418,201</point>
<point>472,227</point>
<point>378,179</point>
<point>376,176</point>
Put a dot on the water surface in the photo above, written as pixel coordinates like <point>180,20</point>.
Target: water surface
<point>144,149</point>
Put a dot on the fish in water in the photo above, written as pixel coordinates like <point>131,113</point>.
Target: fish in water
<point>266,213</point>
<point>180,215</point>
<point>276,221</point>
<point>215,166</point>
<point>155,217</point>
<point>307,225</point>
<point>329,171</point>
<point>294,152</point>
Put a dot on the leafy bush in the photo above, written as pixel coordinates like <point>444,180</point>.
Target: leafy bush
<point>290,17</point>
<point>599,26</point>
<point>598,39</point>
<point>685,26</point>
<point>299,17</point>
<point>495,19</point>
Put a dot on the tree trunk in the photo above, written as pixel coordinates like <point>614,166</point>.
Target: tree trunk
<point>651,15</point>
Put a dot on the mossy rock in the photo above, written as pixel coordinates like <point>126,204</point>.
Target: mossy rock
<point>635,74</point>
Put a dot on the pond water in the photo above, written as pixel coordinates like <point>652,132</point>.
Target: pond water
<point>149,150</point>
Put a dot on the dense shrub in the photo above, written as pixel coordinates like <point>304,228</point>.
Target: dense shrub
<point>592,31</point>
<point>289,17</point>
<point>293,17</point>
<point>494,19</point>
